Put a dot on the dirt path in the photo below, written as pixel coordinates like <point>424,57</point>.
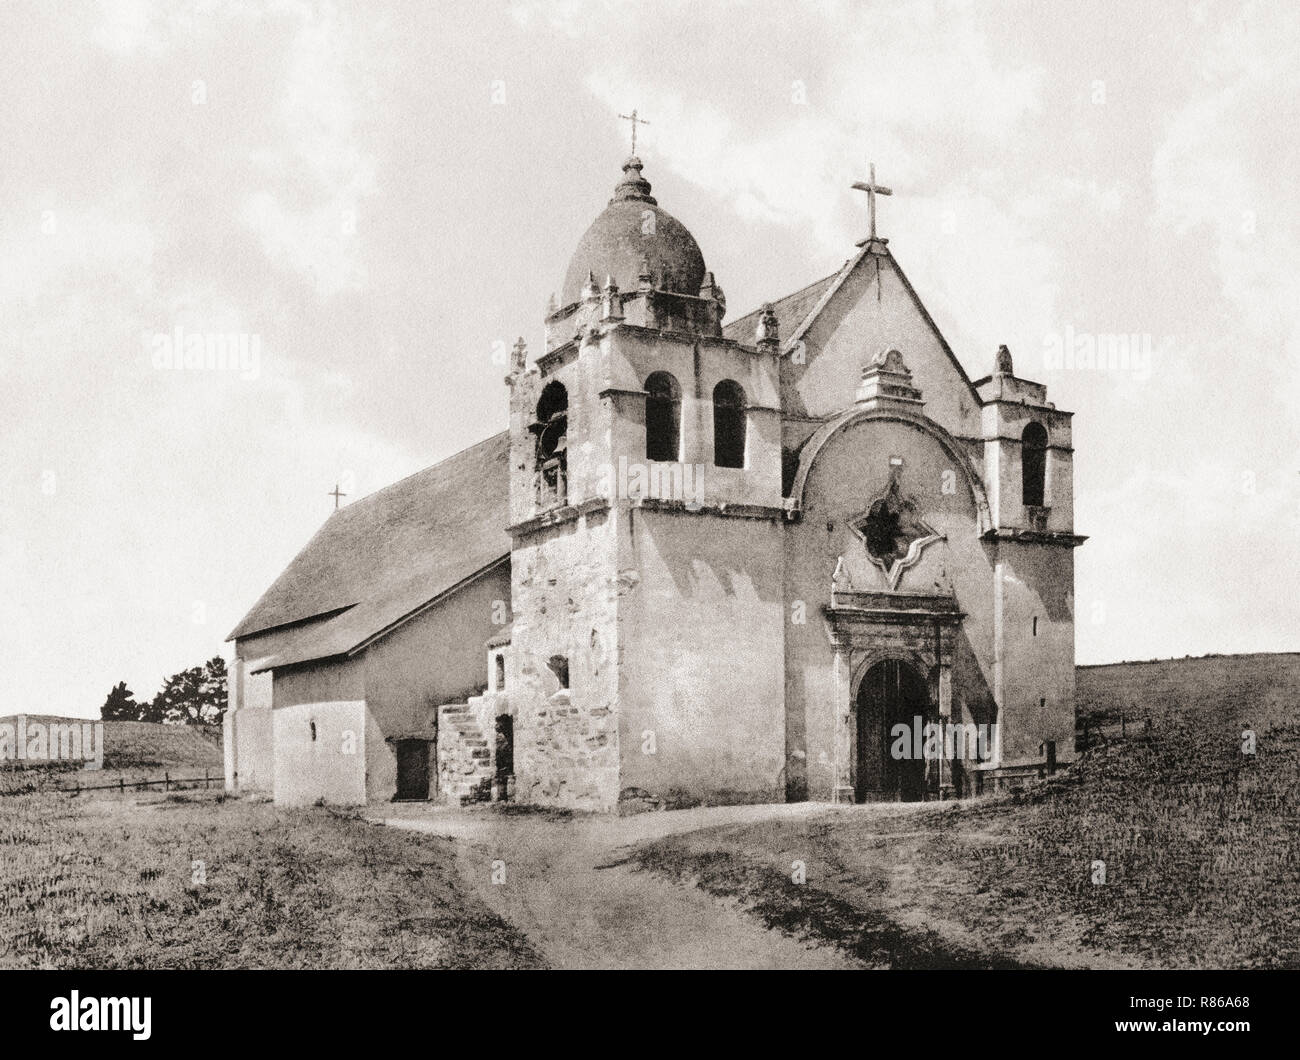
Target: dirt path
<point>562,886</point>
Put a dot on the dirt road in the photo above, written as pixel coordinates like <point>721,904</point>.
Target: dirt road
<point>559,882</point>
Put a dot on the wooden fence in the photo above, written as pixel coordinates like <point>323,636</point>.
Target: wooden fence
<point>122,785</point>
<point>1089,734</point>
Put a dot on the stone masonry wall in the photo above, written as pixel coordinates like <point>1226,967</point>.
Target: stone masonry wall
<point>566,740</point>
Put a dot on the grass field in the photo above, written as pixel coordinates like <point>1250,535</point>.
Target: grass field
<point>1198,841</point>
<point>110,883</point>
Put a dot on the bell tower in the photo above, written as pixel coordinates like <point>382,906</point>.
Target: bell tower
<point>646,513</point>
<point>1028,474</point>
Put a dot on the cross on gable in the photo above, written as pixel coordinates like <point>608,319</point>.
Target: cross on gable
<point>635,122</point>
<point>872,189</point>
<point>336,494</point>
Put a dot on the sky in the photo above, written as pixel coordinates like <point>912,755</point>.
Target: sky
<point>379,198</point>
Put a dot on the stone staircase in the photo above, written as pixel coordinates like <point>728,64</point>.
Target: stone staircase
<point>465,766</point>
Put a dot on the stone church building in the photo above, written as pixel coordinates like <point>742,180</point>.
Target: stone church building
<point>797,555</point>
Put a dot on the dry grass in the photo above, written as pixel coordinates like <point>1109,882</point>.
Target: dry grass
<point>109,883</point>
<point>1198,841</point>
<point>130,744</point>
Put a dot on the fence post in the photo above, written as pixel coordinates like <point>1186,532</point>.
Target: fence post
<point>121,785</point>
<point>167,781</point>
<point>205,780</point>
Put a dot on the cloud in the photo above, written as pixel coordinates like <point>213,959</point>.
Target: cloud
<point>128,26</point>
<point>137,492</point>
<point>813,119</point>
<point>1227,165</point>
<point>327,96</point>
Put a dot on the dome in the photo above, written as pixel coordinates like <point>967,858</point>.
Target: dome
<point>621,239</point>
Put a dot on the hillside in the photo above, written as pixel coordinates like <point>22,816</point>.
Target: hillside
<point>133,751</point>
<point>141,744</point>
<point>1207,692</point>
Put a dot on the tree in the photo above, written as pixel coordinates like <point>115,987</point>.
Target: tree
<point>196,695</point>
<point>120,705</point>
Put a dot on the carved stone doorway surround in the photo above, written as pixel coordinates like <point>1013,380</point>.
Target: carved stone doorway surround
<point>868,627</point>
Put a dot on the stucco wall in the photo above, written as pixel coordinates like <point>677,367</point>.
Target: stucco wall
<point>332,767</point>
<point>871,312</point>
<point>329,767</point>
<point>249,753</point>
<point>849,473</point>
<point>703,660</point>
<point>1037,670</point>
<point>437,657</point>
<point>629,357</point>
<point>1004,423</point>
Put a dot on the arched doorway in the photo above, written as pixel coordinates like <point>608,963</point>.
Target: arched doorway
<point>891,693</point>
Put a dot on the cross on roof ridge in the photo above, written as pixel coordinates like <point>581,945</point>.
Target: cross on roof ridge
<point>872,189</point>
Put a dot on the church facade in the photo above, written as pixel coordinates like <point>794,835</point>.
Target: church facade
<point>798,555</point>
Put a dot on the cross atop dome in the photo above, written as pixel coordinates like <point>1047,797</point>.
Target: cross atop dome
<point>635,122</point>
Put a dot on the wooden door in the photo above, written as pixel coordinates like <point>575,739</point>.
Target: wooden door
<point>412,769</point>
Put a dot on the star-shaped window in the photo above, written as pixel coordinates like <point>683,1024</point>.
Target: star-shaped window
<point>893,535</point>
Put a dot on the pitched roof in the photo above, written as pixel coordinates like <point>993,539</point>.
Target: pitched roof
<point>796,312</point>
<point>790,311</point>
<point>384,556</point>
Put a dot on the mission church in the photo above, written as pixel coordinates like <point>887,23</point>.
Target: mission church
<point>709,562</point>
